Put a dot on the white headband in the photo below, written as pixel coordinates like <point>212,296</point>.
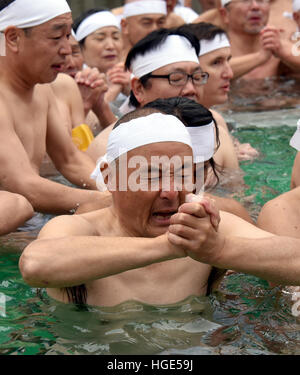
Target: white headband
<point>94,22</point>
<point>149,129</point>
<point>203,141</point>
<point>207,46</point>
<point>29,13</point>
<point>175,49</point>
<point>224,2</point>
<point>295,140</point>
<point>138,8</point>
<point>296,5</point>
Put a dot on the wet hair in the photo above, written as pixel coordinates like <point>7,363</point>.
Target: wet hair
<point>151,42</point>
<point>82,17</point>
<point>191,114</point>
<point>203,30</point>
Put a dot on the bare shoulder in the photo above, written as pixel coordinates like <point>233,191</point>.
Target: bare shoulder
<point>68,225</point>
<point>281,215</point>
<point>232,225</point>
<point>63,82</point>
<point>219,119</point>
<point>212,16</point>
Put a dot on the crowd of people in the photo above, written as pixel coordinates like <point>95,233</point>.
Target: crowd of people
<point>121,102</point>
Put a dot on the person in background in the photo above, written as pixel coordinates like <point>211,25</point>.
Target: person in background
<point>100,39</point>
<point>215,58</point>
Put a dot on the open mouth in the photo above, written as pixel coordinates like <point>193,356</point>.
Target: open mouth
<point>163,218</point>
<point>58,67</point>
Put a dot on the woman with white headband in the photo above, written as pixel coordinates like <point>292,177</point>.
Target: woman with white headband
<point>100,39</point>
<point>99,36</point>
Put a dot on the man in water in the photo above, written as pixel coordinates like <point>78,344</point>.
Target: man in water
<point>35,42</point>
<point>152,245</point>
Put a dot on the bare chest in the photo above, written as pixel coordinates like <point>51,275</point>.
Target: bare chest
<point>162,283</point>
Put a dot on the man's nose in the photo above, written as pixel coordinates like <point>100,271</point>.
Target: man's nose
<point>227,72</point>
<point>66,48</point>
<point>189,88</point>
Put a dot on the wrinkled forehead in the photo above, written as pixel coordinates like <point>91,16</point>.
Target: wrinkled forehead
<point>146,17</point>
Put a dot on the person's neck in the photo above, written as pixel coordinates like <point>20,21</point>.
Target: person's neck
<point>13,76</point>
<point>242,44</point>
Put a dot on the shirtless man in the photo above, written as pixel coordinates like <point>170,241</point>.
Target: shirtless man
<point>15,210</point>
<point>255,45</point>
<point>36,45</point>
<point>141,18</point>
<point>154,246</point>
<point>214,58</point>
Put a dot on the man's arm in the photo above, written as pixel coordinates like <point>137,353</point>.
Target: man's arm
<point>15,210</point>
<point>72,163</point>
<point>295,180</point>
<point>237,245</point>
<point>69,252</point>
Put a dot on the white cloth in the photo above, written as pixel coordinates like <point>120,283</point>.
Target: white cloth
<point>175,49</point>
<point>29,13</point>
<point>207,46</point>
<point>142,131</point>
<point>138,8</point>
<point>203,141</point>
<point>186,13</point>
<point>94,22</point>
<point>295,140</point>
<point>296,5</point>
<point>224,2</point>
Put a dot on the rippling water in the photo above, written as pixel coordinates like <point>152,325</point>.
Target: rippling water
<point>244,317</point>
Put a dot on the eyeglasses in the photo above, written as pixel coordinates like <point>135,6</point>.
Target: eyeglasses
<point>249,2</point>
<point>181,78</point>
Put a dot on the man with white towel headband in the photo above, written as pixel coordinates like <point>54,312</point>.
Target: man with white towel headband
<point>154,246</point>
<point>141,17</point>
<point>34,46</point>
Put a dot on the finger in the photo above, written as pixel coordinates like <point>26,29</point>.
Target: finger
<point>196,209</point>
<point>184,231</point>
<point>177,240</point>
<point>185,219</point>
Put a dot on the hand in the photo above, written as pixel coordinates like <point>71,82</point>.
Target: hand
<point>271,41</point>
<point>192,231</point>
<point>118,76</point>
<point>92,85</point>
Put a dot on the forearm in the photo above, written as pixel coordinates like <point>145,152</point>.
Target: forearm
<point>242,65</point>
<point>104,114</point>
<point>276,259</point>
<point>77,168</point>
<point>70,261</point>
<point>51,197</point>
<point>15,210</point>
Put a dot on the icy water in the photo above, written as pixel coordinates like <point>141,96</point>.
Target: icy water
<point>245,316</point>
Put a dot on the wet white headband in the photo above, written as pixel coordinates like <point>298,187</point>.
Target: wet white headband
<point>149,129</point>
<point>207,46</point>
<point>138,8</point>
<point>29,13</point>
<point>94,22</point>
<point>225,2</point>
<point>295,140</point>
<point>175,49</point>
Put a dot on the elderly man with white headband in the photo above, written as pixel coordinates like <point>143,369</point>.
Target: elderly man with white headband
<point>155,246</point>
<point>36,45</point>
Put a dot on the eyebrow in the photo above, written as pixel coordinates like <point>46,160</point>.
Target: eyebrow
<point>59,27</point>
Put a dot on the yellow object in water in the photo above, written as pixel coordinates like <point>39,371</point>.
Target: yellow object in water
<point>82,136</point>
